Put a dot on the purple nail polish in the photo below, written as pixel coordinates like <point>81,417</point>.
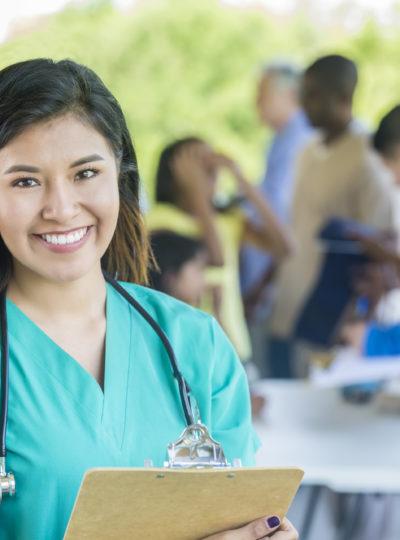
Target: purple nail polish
<point>273,522</point>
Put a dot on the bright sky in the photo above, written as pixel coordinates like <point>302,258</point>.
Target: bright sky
<point>13,10</point>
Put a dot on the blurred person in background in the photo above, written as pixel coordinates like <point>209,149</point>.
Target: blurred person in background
<point>386,141</point>
<point>278,108</point>
<point>338,175</point>
<point>181,263</point>
<point>374,338</point>
<point>186,184</point>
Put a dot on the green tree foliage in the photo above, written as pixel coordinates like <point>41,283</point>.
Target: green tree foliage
<point>183,67</point>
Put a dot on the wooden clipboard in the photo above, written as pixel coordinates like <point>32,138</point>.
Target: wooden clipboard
<point>170,504</point>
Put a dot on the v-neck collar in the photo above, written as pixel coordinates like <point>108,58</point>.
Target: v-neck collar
<point>106,406</point>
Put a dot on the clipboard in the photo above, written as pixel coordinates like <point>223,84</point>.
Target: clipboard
<point>170,504</point>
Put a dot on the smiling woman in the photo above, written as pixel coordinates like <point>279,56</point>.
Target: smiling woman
<point>89,384</point>
<point>69,112</point>
<point>66,198</point>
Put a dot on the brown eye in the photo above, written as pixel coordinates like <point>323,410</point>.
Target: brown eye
<point>87,174</point>
<point>25,183</point>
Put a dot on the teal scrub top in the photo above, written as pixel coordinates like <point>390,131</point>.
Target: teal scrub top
<point>61,423</point>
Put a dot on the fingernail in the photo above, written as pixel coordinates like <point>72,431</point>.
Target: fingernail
<point>273,522</point>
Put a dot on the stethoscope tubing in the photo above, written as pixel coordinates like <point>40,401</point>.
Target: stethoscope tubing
<point>4,374</point>
<point>183,387</point>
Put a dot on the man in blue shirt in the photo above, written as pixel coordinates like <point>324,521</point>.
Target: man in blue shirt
<point>279,109</point>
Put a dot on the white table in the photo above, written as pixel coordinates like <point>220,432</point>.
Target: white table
<point>349,448</point>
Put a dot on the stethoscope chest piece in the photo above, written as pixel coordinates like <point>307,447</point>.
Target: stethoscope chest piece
<point>7,481</point>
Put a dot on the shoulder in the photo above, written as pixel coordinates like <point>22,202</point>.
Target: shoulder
<point>310,147</point>
<point>164,216</point>
<point>359,142</point>
<point>371,167</point>
<point>194,334</point>
<point>168,311</point>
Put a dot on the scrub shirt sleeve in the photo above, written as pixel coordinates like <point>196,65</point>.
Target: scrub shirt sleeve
<point>230,407</point>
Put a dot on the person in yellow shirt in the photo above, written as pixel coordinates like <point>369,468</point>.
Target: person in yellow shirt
<point>185,191</point>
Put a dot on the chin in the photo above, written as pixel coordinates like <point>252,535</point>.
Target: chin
<point>67,274</point>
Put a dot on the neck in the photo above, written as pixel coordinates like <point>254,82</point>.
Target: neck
<point>79,298</point>
<point>334,133</point>
<point>282,124</point>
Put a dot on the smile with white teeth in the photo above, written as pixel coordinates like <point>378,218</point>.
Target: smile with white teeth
<point>63,239</point>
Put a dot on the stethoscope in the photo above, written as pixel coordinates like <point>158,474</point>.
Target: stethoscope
<point>7,479</point>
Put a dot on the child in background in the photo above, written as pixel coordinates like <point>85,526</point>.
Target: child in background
<point>181,265</point>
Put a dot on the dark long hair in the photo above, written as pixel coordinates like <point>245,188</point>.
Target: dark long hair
<point>167,190</point>
<point>40,89</point>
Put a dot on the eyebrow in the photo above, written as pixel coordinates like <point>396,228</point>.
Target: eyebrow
<point>86,159</point>
<point>22,168</point>
<point>30,169</point>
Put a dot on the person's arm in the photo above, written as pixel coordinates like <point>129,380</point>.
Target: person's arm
<point>191,175</point>
<point>206,218</point>
<point>378,249</point>
<point>270,235</point>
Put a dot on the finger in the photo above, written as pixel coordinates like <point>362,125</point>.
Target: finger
<point>258,529</point>
<point>252,531</point>
<point>286,532</point>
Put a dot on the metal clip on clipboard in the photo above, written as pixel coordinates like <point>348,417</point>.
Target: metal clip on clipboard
<point>195,448</point>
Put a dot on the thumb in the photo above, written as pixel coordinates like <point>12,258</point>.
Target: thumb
<point>252,531</point>
<point>257,529</point>
<point>286,532</point>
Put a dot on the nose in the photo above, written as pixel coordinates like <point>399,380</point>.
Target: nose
<point>61,203</point>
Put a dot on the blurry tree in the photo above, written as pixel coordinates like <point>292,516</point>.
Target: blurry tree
<point>189,67</point>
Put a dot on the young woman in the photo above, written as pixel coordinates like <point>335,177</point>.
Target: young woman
<point>89,383</point>
<point>185,190</point>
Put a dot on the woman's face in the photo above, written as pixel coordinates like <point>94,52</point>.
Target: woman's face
<point>59,199</point>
